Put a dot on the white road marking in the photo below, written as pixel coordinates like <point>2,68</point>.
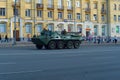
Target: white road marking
<point>20,72</point>
<point>56,52</point>
<point>7,63</point>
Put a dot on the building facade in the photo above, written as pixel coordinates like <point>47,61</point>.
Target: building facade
<point>89,17</point>
<point>114,17</point>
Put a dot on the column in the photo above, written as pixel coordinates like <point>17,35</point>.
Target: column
<point>21,30</point>
<point>99,30</point>
<point>11,29</point>
<point>84,29</point>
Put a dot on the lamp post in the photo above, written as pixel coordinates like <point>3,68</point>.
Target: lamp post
<point>34,16</point>
<point>74,17</point>
<point>107,9</point>
<point>14,38</point>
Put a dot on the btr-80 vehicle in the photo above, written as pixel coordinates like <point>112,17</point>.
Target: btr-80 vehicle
<point>57,40</point>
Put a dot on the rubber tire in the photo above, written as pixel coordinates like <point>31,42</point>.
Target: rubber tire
<point>52,45</point>
<point>70,45</point>
<point>39,46</point>
<point>76,44</point>
<point>60,45</point>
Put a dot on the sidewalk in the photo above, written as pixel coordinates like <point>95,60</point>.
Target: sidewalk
<point>104,43</point>
<point>30,44</point>
<point>18,44</point>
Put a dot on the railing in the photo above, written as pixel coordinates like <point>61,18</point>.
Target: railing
<point>60,7</point>
<point>50,6</point>
<point>17,4</point>
<point>103,11</point>
<point>39,6</point>
<point>3,0</point>
<point>87,10</point>
<point>69,8</point>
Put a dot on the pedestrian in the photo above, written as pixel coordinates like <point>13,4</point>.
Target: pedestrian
<point>115,39</point>
<point>98,40</point>
<point>94,40</point>
<point>6,38</point>
<point>0,38</point>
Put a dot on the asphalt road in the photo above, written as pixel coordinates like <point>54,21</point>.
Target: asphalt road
<point>86,63</point>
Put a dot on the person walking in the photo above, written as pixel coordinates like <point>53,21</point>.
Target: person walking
<point>98,39</point>
<point>0,38</point>
<point>115,39</point>
<point>6,38</point>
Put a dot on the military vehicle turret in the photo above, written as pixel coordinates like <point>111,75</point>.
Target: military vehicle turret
<point>57,40</point>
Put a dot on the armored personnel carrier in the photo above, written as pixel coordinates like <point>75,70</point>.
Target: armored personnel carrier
<point>56,40</point>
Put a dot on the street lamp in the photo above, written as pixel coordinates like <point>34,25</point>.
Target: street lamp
<point>34,16</point>
<point>74,17</point>
<point>107,9</point>
<point>14,38</point>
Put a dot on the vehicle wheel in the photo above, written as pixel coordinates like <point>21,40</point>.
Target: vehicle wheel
<point>70,45</point>
<point>76,44</point>
<point>39,46</point>
<point>60,45</point>
<point>52,45</point>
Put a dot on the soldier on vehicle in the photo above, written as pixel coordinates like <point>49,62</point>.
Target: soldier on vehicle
<point>64,32</point>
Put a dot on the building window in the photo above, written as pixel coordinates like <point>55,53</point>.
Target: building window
<point>28,13</point>
<point>115,18</point>
<point>39,1</point>
<point>69,3</point>
<point>60,3</point>
<point>95,17</point>
<point>70,28</point>
<point>78,16</point>
<point>87,5</point>
<point>115,7</point>
<point>119,7</point>
<point>60,15</point>
<point>79,29</point>
<point>103,18</point>
<point>95,30</point>
<point>77,3</point>
<point>2,11</point>
<point>87,17</point>
<point>50,14</point>
<point>69,16</point>
<point>28,28</point>
<point>28,1</point>
<point>95,5</point>
<point>50,27</point>
<point>50,2</point>
<point>39,28</point>
<point>103,30</point>
<point>2,27</point>
<point>16,0</point>
<point>39,13</point>
<point>117,29</point>
<point>118,17</point>
<point>103,6</point>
